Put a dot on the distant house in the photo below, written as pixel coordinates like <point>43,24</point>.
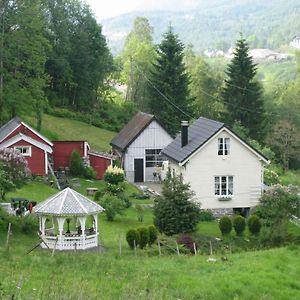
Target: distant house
<point>295,42</point>
<point>267,54</point>
<point>139,146</point>
<point>33,146</point>
<point>225,172</point>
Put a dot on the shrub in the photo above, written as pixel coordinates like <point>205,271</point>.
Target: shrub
<point>239,224</point>
<point>187,241</point>
<point>206,215</point>
<point>225,225</point>
<point>29,224</point>
<point>144,236</point>
<point>131,236</point>
<point>152,235</point>
<point>89,173</point>
<point>114,175</point>
<point>140,212</point>
<point>254,224</point>
<point>76,164</point>
<point>112,206</point>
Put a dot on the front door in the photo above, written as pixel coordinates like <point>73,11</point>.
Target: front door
<point>138,170</point>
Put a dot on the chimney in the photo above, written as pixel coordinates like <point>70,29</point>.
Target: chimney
<point>184,133</point>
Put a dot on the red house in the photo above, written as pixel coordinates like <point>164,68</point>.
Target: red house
<point>36,148</point>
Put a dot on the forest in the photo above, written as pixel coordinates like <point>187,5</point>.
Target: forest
<point>55,59</point>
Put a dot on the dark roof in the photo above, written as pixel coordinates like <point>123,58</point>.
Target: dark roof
<point>198,133</point>
<point>10,126</point>
<point>132,130</point>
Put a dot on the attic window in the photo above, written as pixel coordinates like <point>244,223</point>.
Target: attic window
<point>25,150</point>
<point>223,146</point>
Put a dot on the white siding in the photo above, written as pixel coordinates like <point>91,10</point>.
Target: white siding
<point>241,163</point>
<point>153,137</point>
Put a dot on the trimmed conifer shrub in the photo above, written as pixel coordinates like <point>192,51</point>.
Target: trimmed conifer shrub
<point>254,224</point>
<point>144,236</point>
<point>152,234</point>
<point>131,236</point>
<point>239,224</point>
<point>225,225</point>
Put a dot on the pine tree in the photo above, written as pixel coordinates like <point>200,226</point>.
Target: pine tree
<point>175,211</point>
<point>242,94</point>
<point>169,78</point>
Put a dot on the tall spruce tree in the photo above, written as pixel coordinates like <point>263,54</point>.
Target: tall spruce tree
<point>169,78</point>
<point>242,94</point>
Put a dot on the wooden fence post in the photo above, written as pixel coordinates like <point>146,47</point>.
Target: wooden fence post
<point>210,246</point>
<point>177,249</point>
<point>120,246</point>
<point>195,249</point>
<point>8,235</point>
<point>158,245</point>
<point>134,245</point>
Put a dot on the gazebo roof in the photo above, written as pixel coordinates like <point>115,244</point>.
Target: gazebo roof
<point>68,203</point>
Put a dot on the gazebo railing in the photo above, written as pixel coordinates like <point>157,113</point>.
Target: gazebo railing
<point>68,242</point>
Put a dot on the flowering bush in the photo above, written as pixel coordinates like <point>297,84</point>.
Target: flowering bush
<point>14,169</point>
<point>114,175</point>
<point>270,177</point>
<point>187,241</point>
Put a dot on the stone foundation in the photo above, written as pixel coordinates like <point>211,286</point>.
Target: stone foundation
<point>219,212</point>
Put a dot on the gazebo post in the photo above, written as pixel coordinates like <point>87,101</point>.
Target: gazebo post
<point>61,221</point>
<point>43,222</point>
<point>82,221</point>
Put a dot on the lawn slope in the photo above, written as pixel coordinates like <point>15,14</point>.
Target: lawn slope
<point>56,128</point>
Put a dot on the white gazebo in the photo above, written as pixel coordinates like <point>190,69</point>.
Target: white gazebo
<point>65,207</point>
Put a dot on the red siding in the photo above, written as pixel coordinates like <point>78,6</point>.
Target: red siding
<point>36,162</point>
<point>23,129</point>
<point>99,164</point>
<point>62,152</point>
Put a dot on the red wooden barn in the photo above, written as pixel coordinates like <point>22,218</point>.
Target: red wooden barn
<point>36,148</point>
<point>62,151</point>
<point>99,162</point>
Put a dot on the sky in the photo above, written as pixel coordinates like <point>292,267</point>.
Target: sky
<point>110,8</point>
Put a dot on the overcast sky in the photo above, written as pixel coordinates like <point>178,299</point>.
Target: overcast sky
<point>111,8</point>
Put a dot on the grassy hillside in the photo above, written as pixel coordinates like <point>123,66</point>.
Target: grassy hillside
<point>66,129</point>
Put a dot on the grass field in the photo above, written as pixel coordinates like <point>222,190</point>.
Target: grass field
<point>66,129</point>
<point>268,274</point>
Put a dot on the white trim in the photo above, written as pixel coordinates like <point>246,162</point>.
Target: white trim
<point>86,148</point>
<point>11,132</point>
<point>231,133</point>
<point>27,139</point>
<point>46,162</point>
<point>35,132</point>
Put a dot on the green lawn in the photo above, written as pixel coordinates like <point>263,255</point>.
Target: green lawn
<point>268,274</point>
<point>70,130</point>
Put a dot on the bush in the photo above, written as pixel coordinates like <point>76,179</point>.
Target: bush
<point>225,225</point>
<point>112,206</point>
<point>89,173</point>
<point>140,212</point>
<point>152,235</point>
<point>187,241</point>
<point>131,236</point>
<point>254,224</point>
<point>76,164</point>
<point>206,215</point>
<point>114,175</point>
<point>144,236</point>
<point>239,224</point>
<point>29,224</point>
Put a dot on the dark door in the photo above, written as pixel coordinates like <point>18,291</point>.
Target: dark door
<point>138,170</point>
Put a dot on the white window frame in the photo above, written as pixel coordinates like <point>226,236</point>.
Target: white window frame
<point>158,158</point>
<point>218,186</point>
<point>21,148</point>
<point>223,146</point>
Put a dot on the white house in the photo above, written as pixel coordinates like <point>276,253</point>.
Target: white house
<point>224,171</point>
<point>139,146</point>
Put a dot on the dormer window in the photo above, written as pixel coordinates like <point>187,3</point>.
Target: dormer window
<point>223,146</point>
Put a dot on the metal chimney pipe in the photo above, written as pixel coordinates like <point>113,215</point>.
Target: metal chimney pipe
<point>184,133</point>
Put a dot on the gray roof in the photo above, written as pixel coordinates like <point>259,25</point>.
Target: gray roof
<point>10,126</point>
<point>68,203</point>
<point>198,133</point>
<point>132,130</point>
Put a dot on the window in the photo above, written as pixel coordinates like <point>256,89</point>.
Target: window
<point>154,157</point>
<point>25,150</point>
<point>223,146</point>
<point>223,186</point>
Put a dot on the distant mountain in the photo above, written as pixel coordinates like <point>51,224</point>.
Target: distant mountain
<point>217,23</point>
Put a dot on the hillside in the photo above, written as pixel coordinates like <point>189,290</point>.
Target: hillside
<point>267,24</point>
<point>66,129</point>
